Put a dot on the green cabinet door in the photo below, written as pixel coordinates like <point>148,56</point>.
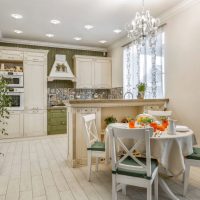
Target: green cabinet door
<point>57,121</point>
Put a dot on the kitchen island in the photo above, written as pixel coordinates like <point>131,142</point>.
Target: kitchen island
<point>102,108</point>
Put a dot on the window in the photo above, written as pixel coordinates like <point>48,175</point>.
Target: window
<point>144,64</point>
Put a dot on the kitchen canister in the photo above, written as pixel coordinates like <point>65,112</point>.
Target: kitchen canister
<point>172,127</point>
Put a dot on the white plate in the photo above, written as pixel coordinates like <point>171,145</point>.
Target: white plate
<point>182,128</point>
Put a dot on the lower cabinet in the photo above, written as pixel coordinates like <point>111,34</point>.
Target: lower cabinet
<point>35,123</point>
<point>57,121</point>
<point>14,126</point>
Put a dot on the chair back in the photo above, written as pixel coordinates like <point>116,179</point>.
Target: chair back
<point>159,113</point>
<point>91,134</point>
<point>140,136</point>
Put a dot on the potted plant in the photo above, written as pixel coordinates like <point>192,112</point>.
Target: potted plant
<point>141,90</point>
<point>4,104</point>
<point>110,120</point>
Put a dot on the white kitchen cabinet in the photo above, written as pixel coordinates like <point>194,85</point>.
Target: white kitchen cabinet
<point>35,123</point>
<point>93,72</point>
<point>34,84</point>
<point>11,55</point>
<point>14,126</point>
<point>35,94</point>
<point>84,72</point>
<point>102,73</point>
<point>33,120</point>
<point>35,80</point>
<point>34,57</point>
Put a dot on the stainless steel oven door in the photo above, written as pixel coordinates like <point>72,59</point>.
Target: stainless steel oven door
<point>13,79</point>
<point>17,99</point>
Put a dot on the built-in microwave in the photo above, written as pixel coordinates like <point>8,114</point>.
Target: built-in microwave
<point>17,98</point>
<point>14,79</point>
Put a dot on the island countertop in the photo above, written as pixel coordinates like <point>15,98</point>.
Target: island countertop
<point>78,103</point>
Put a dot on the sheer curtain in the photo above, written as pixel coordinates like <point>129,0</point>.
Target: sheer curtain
<point>144,64</point>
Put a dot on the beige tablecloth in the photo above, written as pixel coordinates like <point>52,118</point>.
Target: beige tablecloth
<point>169,150</point>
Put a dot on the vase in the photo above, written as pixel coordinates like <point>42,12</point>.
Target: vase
<point>140,95</point>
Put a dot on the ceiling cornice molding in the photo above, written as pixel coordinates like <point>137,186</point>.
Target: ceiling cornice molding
<point>49,44</point>
<point>177,9</point>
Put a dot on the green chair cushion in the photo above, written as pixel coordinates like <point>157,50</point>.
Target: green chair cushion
<point>195,155</point>
<point>130,161</point>
<point>97,146</point>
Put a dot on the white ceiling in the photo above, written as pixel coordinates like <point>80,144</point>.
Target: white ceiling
<point>104,15</point>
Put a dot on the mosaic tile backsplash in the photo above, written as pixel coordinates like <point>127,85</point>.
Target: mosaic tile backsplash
<point>57,96</point>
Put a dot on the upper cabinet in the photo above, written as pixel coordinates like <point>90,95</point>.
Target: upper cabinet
<point>35,81</point>
<point>93,72</point>
<point>11,55</point>
<point>34,85</point>
<point>102,73</point>
<point>84,72</point>
<point>34,57</point>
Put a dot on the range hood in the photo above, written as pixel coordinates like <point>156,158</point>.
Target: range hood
<point>61,70</point>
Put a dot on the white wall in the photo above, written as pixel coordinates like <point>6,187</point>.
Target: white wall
<point>182,63</point>
<point>183,67</point>
<point>116,52</point>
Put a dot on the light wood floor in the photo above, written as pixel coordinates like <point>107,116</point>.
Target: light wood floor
<point>36,169</point>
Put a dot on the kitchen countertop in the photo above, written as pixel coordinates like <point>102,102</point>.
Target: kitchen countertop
<point>78,103</point>
<point>56,107</point>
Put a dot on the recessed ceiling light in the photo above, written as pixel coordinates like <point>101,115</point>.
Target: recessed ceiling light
<point>77,38</point>
<point>16,16</point>
<point>50,35</point>
<point>88,27</point>
<point>55,21</point>
<point>117,31</point>
<point>102,41</point>
<point>18,31</point>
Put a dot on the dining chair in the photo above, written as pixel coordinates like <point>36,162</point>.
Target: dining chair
<point>128,169</point>
<point>191,160</point>
<point>95,147</point>
<point>159,113</point>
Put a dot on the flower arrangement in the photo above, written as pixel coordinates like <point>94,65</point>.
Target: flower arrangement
<point>148,120</point>
<point>144,119</point>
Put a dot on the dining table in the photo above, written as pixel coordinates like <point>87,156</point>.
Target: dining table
<point>168,149</point>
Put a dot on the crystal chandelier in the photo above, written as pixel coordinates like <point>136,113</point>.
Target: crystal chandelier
<point>143,26</point>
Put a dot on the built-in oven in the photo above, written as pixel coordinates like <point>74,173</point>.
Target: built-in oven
<point>17,98</point>
<point>13,79</point>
